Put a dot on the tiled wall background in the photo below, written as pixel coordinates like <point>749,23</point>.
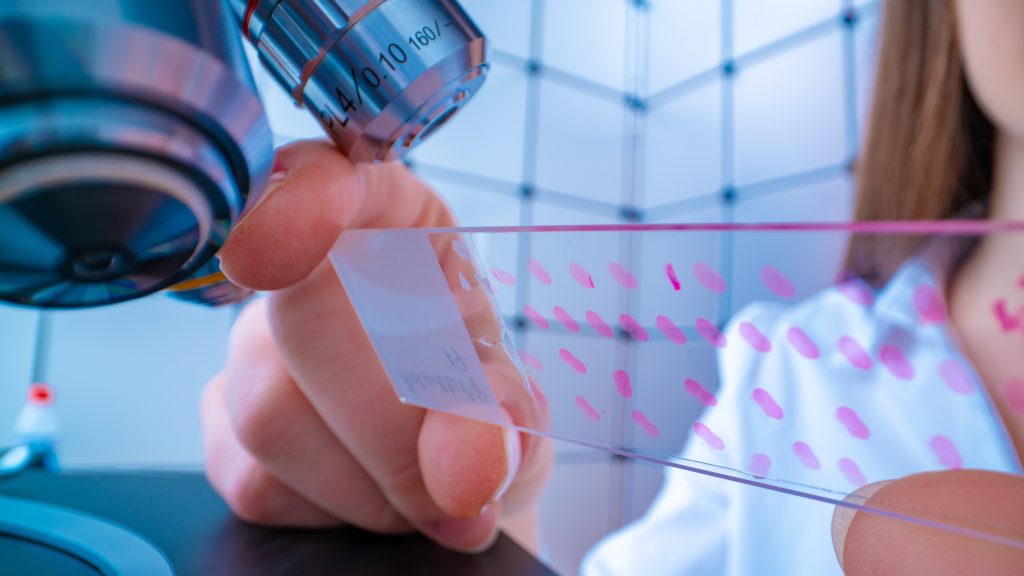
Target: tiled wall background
<point>596,111</point>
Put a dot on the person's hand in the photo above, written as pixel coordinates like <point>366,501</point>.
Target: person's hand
<point>986,502</point>
<point>302,428</point>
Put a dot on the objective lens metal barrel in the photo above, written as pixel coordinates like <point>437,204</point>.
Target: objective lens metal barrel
<point>131,139</point>
<point>379,75</point>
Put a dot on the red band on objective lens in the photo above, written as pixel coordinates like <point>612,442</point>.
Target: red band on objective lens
<point>249,11</point>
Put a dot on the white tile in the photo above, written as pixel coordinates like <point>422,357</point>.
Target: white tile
<point>581,144</point>
<point>685,39</point>
<point>129,378</point>
<point>505,24</point>
<point>758,23</point>
<point>17,354</point>
<point>587,38</point>
<point>684,147</point>
<point>790,114</point>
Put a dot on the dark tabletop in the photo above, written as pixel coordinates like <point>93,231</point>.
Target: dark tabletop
<point>194,529</point>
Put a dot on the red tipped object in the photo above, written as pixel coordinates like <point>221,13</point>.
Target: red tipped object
<point>40,394</point>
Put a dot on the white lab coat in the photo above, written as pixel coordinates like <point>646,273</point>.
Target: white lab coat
<point>706,526</point>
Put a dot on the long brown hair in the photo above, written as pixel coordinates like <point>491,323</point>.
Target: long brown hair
<point>929,148</point>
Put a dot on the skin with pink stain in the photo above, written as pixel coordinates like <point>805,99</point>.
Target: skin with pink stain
<point>754,337</point>
<point>707,276</point>
<point>711,333</point>
<point>956,377</point>
<point>893,358</point>
<point>760,465</point>
<point>587,409</point>
<point>538,320</point>
<point>562,316</point>
<point>670,330</point>
<point>803,344</point>
<point>598,324</point>
<point>852,472</point>
<point>582,277</point>
<point>623,384</point>
<point>504,277</point>
<point>806,455</point>
<point>777,283</point>
<point>575,363</point>
<point>709,437</point>
<point>849,418</point>
<point>931,307</point>
<point>538,272</point>
<point>945,451</point>
<point>630,325</point>
<point>855,353</point>
<point>640,419</point>
<point>673,279</point>
<point>699,392</point>
<point>623,276</point>
<point>767,403</point>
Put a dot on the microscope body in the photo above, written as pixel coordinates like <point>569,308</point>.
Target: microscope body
<point>132,138</point>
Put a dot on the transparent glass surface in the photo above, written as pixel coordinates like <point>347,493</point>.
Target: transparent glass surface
<point>810,376</point>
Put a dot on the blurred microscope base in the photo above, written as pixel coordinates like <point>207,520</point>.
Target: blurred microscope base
<point>195,530</point>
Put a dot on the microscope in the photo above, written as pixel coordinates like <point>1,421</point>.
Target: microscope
<point>132,140</point>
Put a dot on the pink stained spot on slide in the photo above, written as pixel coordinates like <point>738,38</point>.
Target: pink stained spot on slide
<point>673,279</point>
<point>855,353</point>
<point>623,276</point>
<point>707,276</point>
<point>503,277</point>
<point>930,306</point>
<point>946,453</point>
<point>533,316</point>
<point>587,409</point>
<point>767,403</point>
<point>893,358</point>
<point>754,337</point>
<point>957,377</point>
<point>711,333</point>
<point>598,324</point>
<point>1013,392</point>
<point>633,328</point>
<point>640,419</point>
<point>562,316</point>
<point>1007,321</point>
<point>777,282</point>
<point>850,420</point>
<point>852,472</point>
<point>623,384</point>
<point>710,438</point>
<point>460,248</point>
<point>760,465</point>
<point>802,343</point>
<point>531,361</point>
<point>670,330</point>
<point>575,363</point>
<point>464,283</point>
<point>538,272</point>
<point>695,389</point>
<point>806,456</point>
<point>857,291</point>
<point>582,277</point>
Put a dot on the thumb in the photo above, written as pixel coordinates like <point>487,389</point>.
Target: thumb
<point>983,502</point>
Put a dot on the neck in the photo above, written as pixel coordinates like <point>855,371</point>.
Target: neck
<point>1008,179</point>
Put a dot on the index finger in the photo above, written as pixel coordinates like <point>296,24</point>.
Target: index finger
<point>314,194</point>
<point>992,502</point>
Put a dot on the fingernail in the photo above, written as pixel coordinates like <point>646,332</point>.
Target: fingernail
<point>513,456</point>
<point>843,517</point>
<point>462,532</point>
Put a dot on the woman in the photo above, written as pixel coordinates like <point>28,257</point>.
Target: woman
<point>287,445</point>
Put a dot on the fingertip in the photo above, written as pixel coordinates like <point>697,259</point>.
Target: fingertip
<point>470,535</point>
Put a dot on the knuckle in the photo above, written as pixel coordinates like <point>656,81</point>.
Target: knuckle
<point>248,492</point>
<point>257,426</point>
